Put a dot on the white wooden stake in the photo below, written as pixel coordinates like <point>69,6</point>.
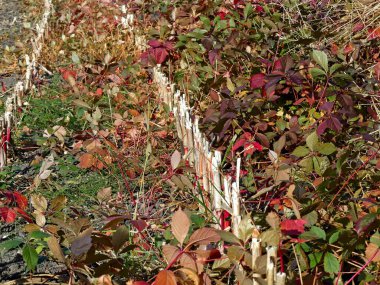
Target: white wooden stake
<point>227,192</point>
<point>256,252</point>
<point>272,257</point>
<point>216,160</point>
<point>270,273</point>
<point>281,278</point>
<point>236,218</point>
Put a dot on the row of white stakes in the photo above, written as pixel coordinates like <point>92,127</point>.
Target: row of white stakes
<point>225,194</point>
<point>7,120</point>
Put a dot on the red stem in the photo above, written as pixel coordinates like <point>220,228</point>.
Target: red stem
<point>126,182</point>
<point>362,268</point>
<point>339,273</point>
<point>352,176</point>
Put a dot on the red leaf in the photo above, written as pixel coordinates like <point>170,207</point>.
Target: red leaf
<point>348,48</point>
<point>373,33</point>
<point>239,143</point>
<point>251,147</point>
<point>21,200</point>
<point>140,283</point>
<point>66,74</point>
<point>322,128</point>
<point>257,80</point>
<point>24,215</point>
<point>154,43</point>
<point>277,64</point>
<point>8,215</point>
<point>358,27</point>
<point>248,149</point>
<point>165,277</point>
<point>257,146</point>
<point>99,92</point>
<point>293,227</point>
<point>140,225</point>
<point>377,70</point>
<point>332,123</point>
<point>213,55</point>
<point>159,55</point>
<point>334,49</point>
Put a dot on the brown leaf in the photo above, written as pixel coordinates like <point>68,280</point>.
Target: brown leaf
<point>204,236</point>
<point>58,203</point>
<point>187,276</point>
<point>273,220</point>
<point>56,249</point>
<point>170,252</point>
<point>134,113</point>
<point>104,280</point>
<point>260,265</point>
<point>373,250</point>
<point>235,253</point>
<point>180,225</point>
<point>40,218</point>
<point>120,237</point>
<point>165,277</point>
<point>87,160</point>
<point>39,203</point>
<point>188,261</point>
<point>104,194</point>
<point>82,243</point>
<point>175,159</point>
<point>29,228</point>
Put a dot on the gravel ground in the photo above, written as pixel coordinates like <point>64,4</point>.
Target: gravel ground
<point>10,20</point>
<point>10,27</point>
<point>11,263</point>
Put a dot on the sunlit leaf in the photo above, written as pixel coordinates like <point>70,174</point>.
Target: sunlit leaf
<point>180,225</point>
<point>330,263</point>
<point>165,277</point>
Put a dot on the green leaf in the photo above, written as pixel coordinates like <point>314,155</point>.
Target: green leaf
<point>330,263</point>
<point>326,148</point>
<point>335,67</point>
<point>223,263</point>
<point>230,85</point>
<point>10,244</point>
<point>247,10</point>
<point>320,164</point>
<point>334,237</point>
<point>229,237</point>
<point>271,237</point>
<point>311,218</point>
<point>235,253</point>
<point>312,141</point>
<point>317,72</point>
<point>307,164</point>
<point>301,151</point>
<point>30,257</point>
<point>302,257</point>
<point>245,228</point>
<point>315,258</point>
<point>38,235</point>
<point>375,238</point>
<point>232,23</point>
<point>75,57</point>
<point>220,25</point>
<point>206,22</point>
<point>320,57</point>
<point>314,233</point>
<point>198,220</point>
